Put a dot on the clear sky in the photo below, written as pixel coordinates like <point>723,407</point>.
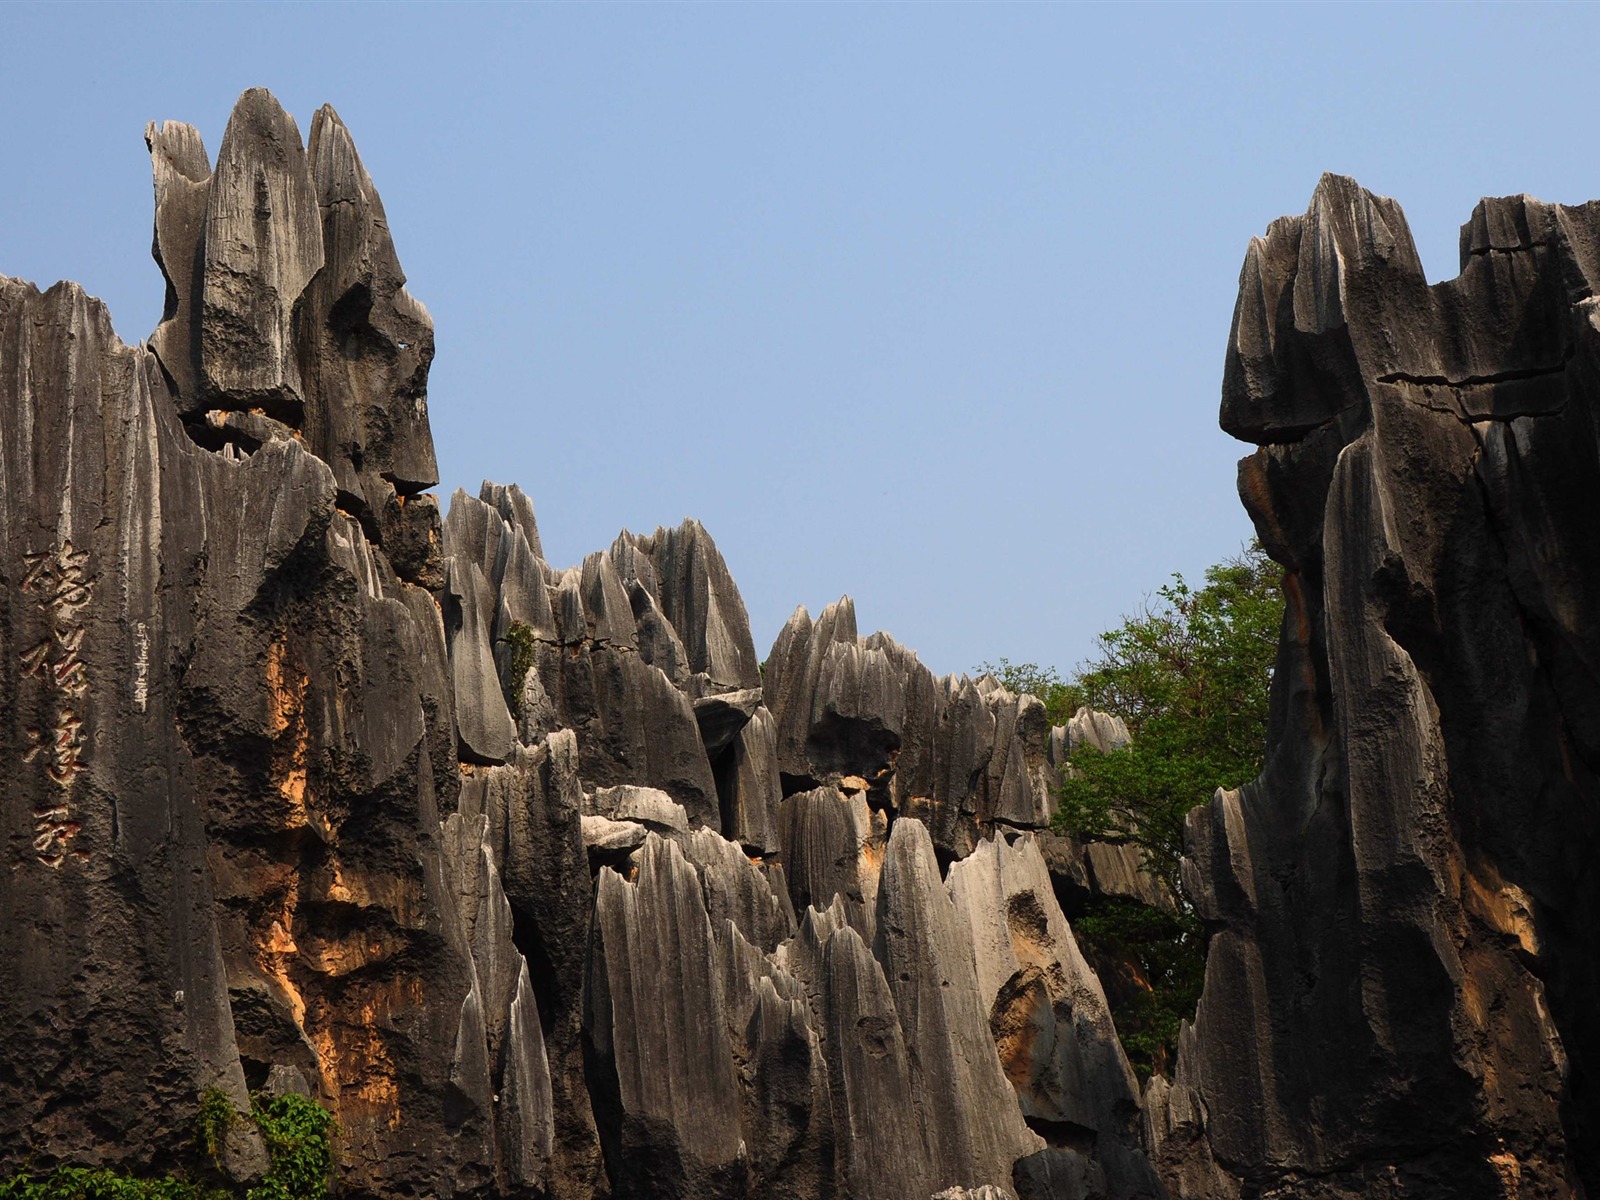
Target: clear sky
<point>922,303</point>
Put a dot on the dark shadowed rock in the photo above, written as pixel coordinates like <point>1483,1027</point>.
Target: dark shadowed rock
<point>1057,1174</point>
<point>1399,988</point>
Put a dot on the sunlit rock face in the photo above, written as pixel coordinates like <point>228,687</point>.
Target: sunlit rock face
<point>538,878</point>
<point>547,885</point>
<point>1400,989</point>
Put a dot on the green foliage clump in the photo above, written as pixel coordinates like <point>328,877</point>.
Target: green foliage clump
<point>1151,963</point>
<point>519,640</point>
<point>216,1118</point>
<point>297,1132</point>
<point>80,1183</point>
<point>1190,674</point>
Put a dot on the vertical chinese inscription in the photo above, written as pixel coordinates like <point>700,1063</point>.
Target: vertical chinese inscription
<point>58,582</point>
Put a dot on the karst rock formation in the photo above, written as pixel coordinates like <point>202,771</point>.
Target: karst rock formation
<point>1403,980</point>
<point>535,877</point>
<point>547,885</point>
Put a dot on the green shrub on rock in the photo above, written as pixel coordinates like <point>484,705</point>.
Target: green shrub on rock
<point>296,1130</point>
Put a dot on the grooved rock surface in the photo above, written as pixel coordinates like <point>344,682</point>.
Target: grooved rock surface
<point>547,887</point>
<point>1048,1014</point>
<point>1400,990</point>
<point>227,724</point>
<point>960,755</point>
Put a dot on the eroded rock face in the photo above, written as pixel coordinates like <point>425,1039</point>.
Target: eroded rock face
<point>1049,1017</point>
<point>229,741</point>
<point>1399,993</point>
<point>962,756</point>
<point>310,791</point>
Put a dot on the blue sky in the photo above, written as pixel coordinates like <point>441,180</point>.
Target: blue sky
<point>922,303</point>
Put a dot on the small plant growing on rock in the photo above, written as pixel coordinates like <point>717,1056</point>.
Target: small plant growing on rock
<point>519,640</point>
<point>215,1119</point>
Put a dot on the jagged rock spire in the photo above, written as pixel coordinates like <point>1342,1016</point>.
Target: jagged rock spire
<point>287,314</point>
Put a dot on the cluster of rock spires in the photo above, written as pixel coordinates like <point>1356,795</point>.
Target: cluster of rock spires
<point>535,877</point>
<point>547,885</point>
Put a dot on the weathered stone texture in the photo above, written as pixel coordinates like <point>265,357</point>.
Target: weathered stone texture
<point>962,756</point>
<point>310,790</point>
<point>1399,992</point>
<point>1048,1014</point>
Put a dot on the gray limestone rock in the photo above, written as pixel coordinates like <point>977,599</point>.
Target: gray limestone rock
<point>737,890</point>
<point>482,719</point>
<point>650,806</point>
<point>263,246</point>
<point>959,755</point>
<point>183,186</point>
<point>1048,1013</point>
<point>974,1129</point>
<point>697,595</point>
<point>882,1146</point>
<point>287,314</point>
<point>612,837</point>
<point>1399,987</point>
<point>654,1020</point>
<point>502,1007</point>
<point>749,790</point>
<point>369,343</point>
<point>1086,871</point>
<point>533,805</point>
<point>516,510</point>
<point>833,847</point>
<point>783,1076</point>
<point>723,714</point>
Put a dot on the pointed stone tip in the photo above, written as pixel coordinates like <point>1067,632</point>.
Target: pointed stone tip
<point>256,95</point>
<point>179,146</point>
<point>258,111</point>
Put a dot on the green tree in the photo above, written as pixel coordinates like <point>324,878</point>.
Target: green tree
<point>1190,674</point>
<point>1061,698</point>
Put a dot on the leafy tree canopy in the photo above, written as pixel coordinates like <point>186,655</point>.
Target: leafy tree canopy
<point>1190,674</point>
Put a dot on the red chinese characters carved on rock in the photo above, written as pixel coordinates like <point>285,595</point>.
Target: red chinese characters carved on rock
<point>59,582</point>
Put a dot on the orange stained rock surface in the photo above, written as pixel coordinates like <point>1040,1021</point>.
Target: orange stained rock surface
<point>286,699</point>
